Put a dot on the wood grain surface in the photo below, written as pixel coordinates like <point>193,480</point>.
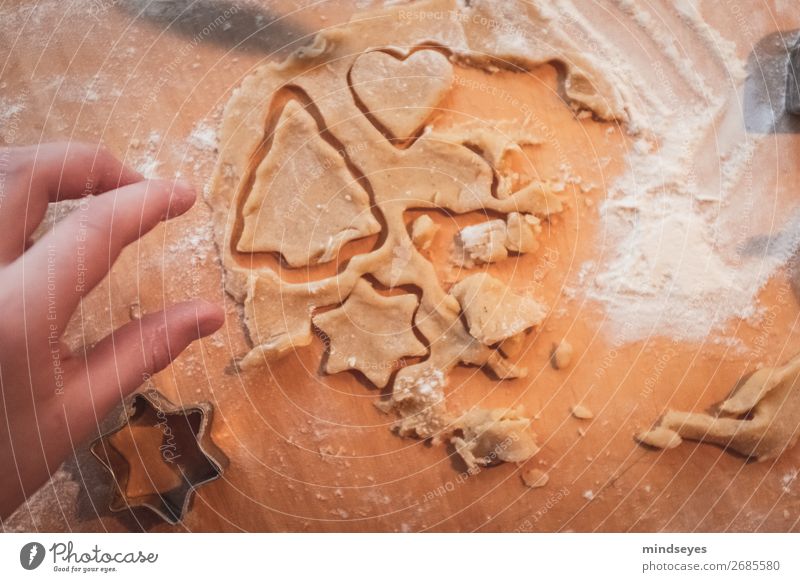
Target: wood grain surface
<point>310,452</point>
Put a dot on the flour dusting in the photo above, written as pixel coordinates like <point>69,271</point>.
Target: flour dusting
<point>694,228</point>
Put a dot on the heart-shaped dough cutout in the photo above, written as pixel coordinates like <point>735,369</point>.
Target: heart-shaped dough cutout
<point>401,95</point>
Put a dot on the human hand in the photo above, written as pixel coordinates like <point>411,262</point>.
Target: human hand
<point>51,400</point>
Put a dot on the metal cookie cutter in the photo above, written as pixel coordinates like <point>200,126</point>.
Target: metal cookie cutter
<point>793,80</point>
<point>159,454</point>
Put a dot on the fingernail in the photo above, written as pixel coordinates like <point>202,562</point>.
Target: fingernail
<point>182,198</point>
<point>210,318</point>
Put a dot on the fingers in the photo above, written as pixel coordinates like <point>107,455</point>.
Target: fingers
<point>115,368</point>
<point>124,360</point>
<point>68,262</point>
<point>45,173</point>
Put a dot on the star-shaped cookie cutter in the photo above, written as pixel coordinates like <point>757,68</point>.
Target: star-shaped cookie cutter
<point>186,446</point>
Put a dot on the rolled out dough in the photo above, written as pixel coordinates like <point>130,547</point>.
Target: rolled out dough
<point>308,167</point>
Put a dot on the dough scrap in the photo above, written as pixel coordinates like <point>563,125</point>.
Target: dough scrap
<point>494,312</point>
<point>521,232</point>
<point>581,412</point>
<point>490,241</point>
<point>585,83</point>
<point>304,204</point>
<point>480,244</point>
<point>278,316</point>
<point>494,141</point>
<point>561,357</point>
<point>418,396</point>
<point>758,421</point>
<point>491,436</point>
<point>660,438</point>
<point>535,478</point>
<point>423,231</point>
<point>416,85</point>
<point>370,333</point>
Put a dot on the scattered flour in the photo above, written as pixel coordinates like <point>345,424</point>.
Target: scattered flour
<point>788,480</point>
<point>692,228</point>
<point>204,138</point>
<point>148,164</point>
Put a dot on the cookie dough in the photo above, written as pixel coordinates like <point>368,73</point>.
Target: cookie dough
<point>561,356</point>
<point>305,204</point>
<point>480,244</point>
<point>329,147</point>
<point>493,311</point>
<point>423,232</point>
<point>581,412</point>
<point>534,478</point>
<point>491,241</point>
<point>491,436</point>
<point>758,421</point>
<point>660,438</point>
<point>370,333</point>
<point>401,93</point>
<point>494,141</point>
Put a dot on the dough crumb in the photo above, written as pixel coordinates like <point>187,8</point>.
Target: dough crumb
<point>489,436</point>
<point>534,478</point>
<point>561,356</point>
<point>480,244</point>
<point>581,412</point>
<point>423,231</point>
<point>491,241</point>
<point>660,438</point>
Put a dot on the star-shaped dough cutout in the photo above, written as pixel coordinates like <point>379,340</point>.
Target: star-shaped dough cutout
<point>370,332</point>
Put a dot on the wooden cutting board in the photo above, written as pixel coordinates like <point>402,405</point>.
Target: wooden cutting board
<point>312,453</point>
